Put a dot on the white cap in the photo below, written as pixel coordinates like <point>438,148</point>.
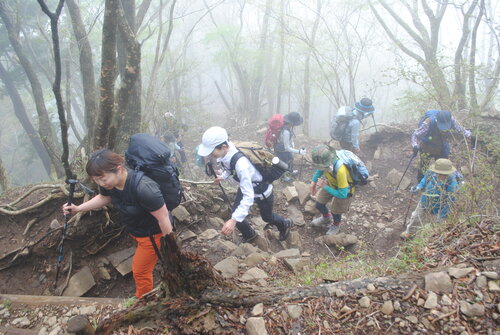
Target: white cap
<point>211,138</point>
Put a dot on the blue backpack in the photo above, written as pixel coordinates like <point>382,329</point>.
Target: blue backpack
<point>357,169</point>
<point>431,114</point>
<point>149,156</point>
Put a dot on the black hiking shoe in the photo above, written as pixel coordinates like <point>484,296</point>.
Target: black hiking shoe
<point>287,227</point>
<point>249,239</point>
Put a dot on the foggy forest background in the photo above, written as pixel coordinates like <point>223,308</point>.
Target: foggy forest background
<point>125,63</point>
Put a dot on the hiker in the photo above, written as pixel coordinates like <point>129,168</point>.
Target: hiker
<point>284,147</point>
<point>438,185</point>
<point>171,142</point>
<point>252,188</point>
<point>333,180</point>
<point>146,220</point>
<point>346,126</point>
<point>430,138</point>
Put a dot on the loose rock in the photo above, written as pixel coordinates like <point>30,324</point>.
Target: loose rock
<point>228,267</point>
<point>432,301</point>
<point>459,273</point>
<point>258,309</point>
<point>256,326</point>
<point>254,274</point>
<point>364,302</point>
<point>475,309</point>
<point>387,308</point>
<point>438,282</point>
<point>294,311</point>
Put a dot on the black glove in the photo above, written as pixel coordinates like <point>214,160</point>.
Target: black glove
<point>415,151</point>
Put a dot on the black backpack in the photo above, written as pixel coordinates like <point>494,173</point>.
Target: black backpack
<point>150,157</point>
<point>339,127</point>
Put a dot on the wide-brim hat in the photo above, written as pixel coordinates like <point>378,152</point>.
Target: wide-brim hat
<point>211,138</point>
<point>322,156</point>
<point>293,118</point>
<point>365,105</point>
<point>442,166</point>
<point>443,120</point>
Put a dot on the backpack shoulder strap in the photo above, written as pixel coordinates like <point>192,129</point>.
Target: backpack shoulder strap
<point>234,159</point>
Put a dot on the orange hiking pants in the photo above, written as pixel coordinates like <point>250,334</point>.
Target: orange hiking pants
<point>143,264</point>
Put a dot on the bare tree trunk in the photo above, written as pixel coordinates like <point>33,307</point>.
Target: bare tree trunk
<point>472,62</point>
<point>56,87</point>
<point>23,118</point>
<point>86,70</point>
<point>4,179</point>
<point>255,97</point>
<point>108,74</point>
<point>47,134</point>
<point>69,114</point>
<point>307,84</point>
<point>130,75</point>
<point>281,58</point>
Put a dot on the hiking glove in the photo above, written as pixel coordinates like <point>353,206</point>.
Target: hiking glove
<point>302,151</point>
<point>414,189</point>
<point>415,151</point>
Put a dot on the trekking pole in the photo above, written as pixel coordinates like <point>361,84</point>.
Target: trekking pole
<point>301,165</point>
<point>409,163</point>
<point>374,124</point>
<point>72,183</point>
<point>221,188</point>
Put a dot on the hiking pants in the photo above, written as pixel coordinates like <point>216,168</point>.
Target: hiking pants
<point>339,206</point>
<point>266,212</point>
<point>143,264</point>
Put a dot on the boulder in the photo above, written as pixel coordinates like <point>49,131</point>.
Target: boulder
<point>295,264</point>
<point>254,274</point>
<point>262,242</point>
<point>296,215</point>
<point>341,239</point>
<point>255,258</point>
<point>216,222</point>
<point>438,282</point>
<point>119,257</point>
<point>394,176</point>
<point>80,283</point>
<point>459,272</point>
<point>223,245</point>
<point>181,214</point>
<point>208,234</point>
<point>302,191</point>
<point>310,207</point>
<point>290,193</point>
<point>256,326</point>
<point>187,235</point>
<point>228,267</point>
<point>288,253</point>
<point>244,250</point>
<point>294,240</point>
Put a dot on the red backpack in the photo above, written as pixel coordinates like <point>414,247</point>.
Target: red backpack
<point>274,126</point>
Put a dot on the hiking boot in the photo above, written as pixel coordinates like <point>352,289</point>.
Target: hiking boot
<point>249,239</point>
<point>333,230</point>
<point>287,226</point>
<point>322,221</point>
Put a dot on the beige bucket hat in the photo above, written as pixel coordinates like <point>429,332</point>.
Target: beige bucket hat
<point>442,166</point>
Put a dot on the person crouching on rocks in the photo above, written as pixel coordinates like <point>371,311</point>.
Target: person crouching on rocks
<point>438,186</point>
<point>333,181</point>
<point>146,220</point>
<point>252,188</point>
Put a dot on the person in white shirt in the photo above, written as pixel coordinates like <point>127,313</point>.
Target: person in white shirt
<point>252,188</point>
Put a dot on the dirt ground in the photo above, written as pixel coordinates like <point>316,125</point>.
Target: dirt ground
<point>376,218</point>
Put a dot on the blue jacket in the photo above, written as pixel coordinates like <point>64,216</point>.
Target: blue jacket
<point>438,196</point>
